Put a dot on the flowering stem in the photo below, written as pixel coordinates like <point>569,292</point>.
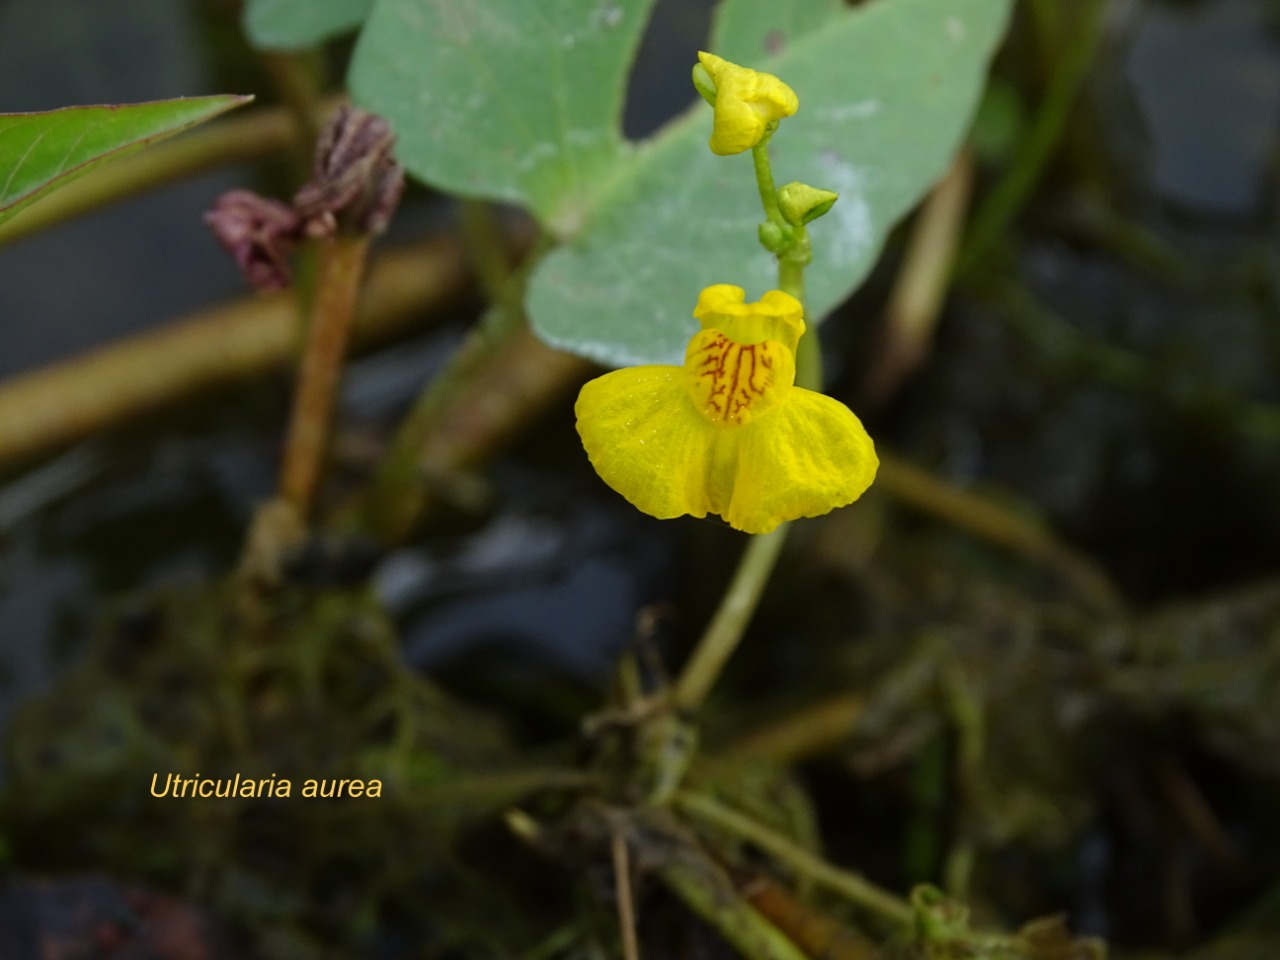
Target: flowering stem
<point>743,596</point>
<point>764,182</point>
<point>736,609</point>
<point>791,276</point>
<point>341,269</point>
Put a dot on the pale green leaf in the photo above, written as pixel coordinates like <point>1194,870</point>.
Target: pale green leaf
<point>886,92</point>
<point>748,31</point>
<point>508,99</point>
<point>40,152</point>
<point>296,24</point>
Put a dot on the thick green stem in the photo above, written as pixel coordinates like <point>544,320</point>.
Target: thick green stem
<point>754,569</point>
<point>736,609</point>
<point>487,249</point>
<point>791,265</point>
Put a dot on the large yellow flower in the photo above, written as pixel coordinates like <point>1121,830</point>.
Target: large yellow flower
<point>728,432</point>
<point>746,102</point>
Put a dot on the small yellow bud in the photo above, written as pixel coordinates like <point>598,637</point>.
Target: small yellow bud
<point>747,104</point>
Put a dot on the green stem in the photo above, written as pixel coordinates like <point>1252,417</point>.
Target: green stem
<point>487,250</point>
<point>743,596</point>
<point>765,184</point>
<point>850,885</point>
<point>706,891</point>
<point>299,81</point>
<point>969,721</point>
<point>791,265</point>
<point>1009,195</point>
<point>730,621</point>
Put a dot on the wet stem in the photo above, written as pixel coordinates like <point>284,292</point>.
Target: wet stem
<point>342,263</point>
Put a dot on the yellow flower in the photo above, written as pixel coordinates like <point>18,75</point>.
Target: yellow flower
<point>728,432</point>
<point>746,102</point>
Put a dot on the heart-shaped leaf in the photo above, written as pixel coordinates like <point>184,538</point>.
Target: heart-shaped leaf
<point>40,152</point>
<point>514,100</point>
<point>886,92</point>
<point>296,24</point>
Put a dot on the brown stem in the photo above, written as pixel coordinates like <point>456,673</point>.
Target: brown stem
<point>911,315</point>
<point>55,406</point>
<point>342,263</point>
<point>817,728</point>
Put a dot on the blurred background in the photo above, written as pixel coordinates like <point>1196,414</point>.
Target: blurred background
<point>1105,365</point>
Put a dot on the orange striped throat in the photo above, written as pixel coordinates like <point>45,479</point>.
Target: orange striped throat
<point>733,383</point>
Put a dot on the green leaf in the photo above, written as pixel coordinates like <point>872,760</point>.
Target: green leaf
<point>296,24</point>
<point>886,91</point>
<point>40,152</point>
<point>748,31</point>
<point>515,100</point>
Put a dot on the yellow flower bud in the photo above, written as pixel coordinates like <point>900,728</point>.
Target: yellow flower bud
<point>746,104</point>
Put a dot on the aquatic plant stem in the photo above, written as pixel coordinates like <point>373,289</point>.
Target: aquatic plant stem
<point>342,263</point>
<point>920,288</point>
<point>498,381</point>
<point>705,890</point>
<point>52,407</point>
<point>1002,204</point>
<point>791,280</point>
<point>853,887</point>
<point>298,78</point>
<point>743,596</point>
<point>488,252</point>
<point>764,183</point>
<point>730,621</point>
<point>624,896</point>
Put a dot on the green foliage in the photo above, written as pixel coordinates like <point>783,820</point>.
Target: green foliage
<point>504,99</point>
<point>520,102</point>
<point>40,152</point>
<point>885,90</point>
<point>748,31</point>
<point>293,24</point>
